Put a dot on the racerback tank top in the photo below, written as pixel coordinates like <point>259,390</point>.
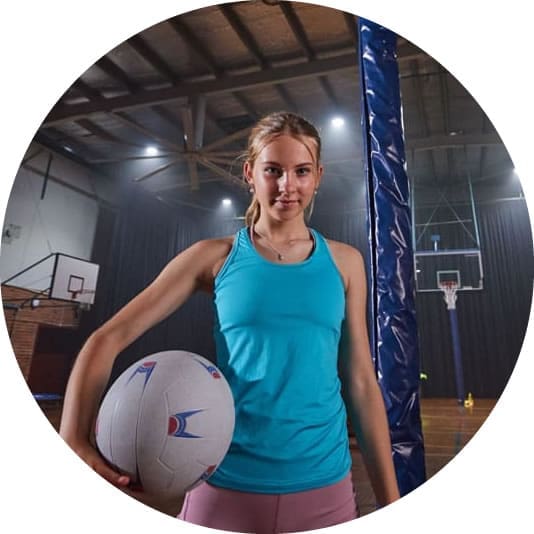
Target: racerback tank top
<point>277,330</point>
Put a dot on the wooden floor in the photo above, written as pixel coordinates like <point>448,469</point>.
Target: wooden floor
<point>447,427</point>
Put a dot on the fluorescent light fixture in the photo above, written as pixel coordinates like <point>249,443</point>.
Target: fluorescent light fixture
<point>227,202</point>
<point>151,151</point>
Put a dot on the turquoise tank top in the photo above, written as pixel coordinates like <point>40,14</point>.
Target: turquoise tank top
<point>277,330</point>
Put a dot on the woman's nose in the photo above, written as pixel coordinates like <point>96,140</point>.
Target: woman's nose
<point>286,182</point>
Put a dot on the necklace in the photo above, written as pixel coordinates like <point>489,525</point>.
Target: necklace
<point>279,255</point>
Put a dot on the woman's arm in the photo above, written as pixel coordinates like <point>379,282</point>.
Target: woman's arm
<point>360,387</point>
<point>190,270</point>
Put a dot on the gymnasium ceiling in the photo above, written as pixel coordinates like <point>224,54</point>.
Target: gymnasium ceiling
<point>191,86</point>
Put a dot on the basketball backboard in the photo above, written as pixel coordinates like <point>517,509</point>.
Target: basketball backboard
<point>464,267</point>
<point>59,276</point>
<point>74,279</point>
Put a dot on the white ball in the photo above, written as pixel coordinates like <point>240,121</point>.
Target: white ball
<point>167,422</point>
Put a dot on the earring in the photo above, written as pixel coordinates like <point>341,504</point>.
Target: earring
<point>316,191</point>
<point>251,190</point>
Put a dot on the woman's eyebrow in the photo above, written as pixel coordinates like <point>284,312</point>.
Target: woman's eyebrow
<point>276,163</point>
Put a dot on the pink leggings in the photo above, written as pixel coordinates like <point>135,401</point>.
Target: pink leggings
<point>260,513</point>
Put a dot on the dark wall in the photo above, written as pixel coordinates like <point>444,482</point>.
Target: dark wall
<point>146,234</point>
<point>53,355</point>
<point>492,322</point>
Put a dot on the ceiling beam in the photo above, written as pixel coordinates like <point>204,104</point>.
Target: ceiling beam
<point>98,131</point>
<point>300,35</point>
<point>250,43</point>
<point>130,123</point>
<point>290,104</point>
<point>166,115</point>
<point>199,49</point>
<point>245,103</point>
<point>352,24</point>
<point>115,72</point>
<point>298,29</point>
<point>453,141</point>
<point>44,140</point>
<point>186,90</point>
<point>86,90</point>
<point>329,90</point>
<point>152,58</point>
<point>195,44</point>
<point>244,34</point>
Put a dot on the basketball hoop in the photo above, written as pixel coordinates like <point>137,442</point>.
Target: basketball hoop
<point>83,296</point>
<point>449,289</point>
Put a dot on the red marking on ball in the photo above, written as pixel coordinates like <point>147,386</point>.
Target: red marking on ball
<point>173,426</point>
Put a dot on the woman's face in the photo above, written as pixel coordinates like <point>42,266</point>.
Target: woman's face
<point>285,176</point>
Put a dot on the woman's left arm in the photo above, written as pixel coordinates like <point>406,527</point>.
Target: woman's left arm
<point>363,398</point>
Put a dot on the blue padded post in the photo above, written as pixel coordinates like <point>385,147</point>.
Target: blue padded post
<point>393,325</point>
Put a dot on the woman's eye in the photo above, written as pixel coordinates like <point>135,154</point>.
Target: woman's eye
<point>303,171</point>
<point>272,170</point>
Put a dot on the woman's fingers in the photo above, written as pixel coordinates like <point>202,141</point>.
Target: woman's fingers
<point>92,458</point>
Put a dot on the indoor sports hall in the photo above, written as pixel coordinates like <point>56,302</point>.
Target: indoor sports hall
<point>143,154</point>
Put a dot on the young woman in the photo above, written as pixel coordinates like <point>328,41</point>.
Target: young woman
<point>291,339</point>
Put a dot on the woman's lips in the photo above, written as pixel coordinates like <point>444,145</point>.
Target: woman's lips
<point>285,202</point>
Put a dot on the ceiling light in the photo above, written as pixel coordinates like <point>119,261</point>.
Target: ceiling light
<point>226,202</point>
<point>151,151</point>
<point>338,122</point>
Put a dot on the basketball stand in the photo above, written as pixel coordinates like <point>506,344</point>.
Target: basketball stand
<point>57,277</point>
<point>450,288</point>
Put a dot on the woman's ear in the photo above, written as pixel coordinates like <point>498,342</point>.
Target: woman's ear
<point>247,172</point>
<point>319,176</point>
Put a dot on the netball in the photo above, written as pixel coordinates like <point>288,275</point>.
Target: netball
<point>167,422</point>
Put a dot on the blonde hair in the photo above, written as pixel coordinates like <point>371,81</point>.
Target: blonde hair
<point>268,128</point>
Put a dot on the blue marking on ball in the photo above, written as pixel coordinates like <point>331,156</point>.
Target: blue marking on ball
<point>178,424</point>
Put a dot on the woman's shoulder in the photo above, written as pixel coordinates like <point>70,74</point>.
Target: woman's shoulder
<point>343,251</point>
<point>212,254</point>
<point>348,260</point>
<point>215,245</point>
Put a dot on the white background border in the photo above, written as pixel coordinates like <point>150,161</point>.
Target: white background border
<point>47,45</point>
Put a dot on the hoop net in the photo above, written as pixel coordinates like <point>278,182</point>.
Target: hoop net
<point>83,295</point>
<point>449,289</point>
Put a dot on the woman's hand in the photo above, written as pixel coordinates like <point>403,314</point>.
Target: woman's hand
<point>95,461</point>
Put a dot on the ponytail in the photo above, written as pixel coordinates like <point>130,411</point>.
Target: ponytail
<point>253,212</point>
